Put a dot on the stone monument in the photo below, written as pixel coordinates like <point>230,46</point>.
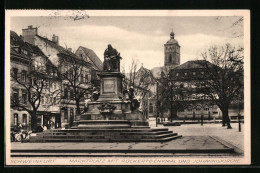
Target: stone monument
<point>109,116</point>
<point>110,105</point>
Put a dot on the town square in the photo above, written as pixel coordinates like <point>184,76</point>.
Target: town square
<point>166,86</point>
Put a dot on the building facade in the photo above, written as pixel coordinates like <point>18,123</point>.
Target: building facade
<point>32,53</point>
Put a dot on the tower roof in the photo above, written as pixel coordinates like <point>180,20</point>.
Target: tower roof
<point>172,40</point>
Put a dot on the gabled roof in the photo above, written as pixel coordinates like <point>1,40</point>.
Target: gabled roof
<point>93,57</point>
<point>59,48</point>
<point>15,40</point>
<point>196,64</point>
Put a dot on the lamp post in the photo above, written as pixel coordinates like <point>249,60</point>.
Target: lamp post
<point>239,116</point>
<point>170,84</point>
<point>157,101</point>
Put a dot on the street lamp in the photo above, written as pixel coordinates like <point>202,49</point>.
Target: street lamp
<point>239,116</point>
<point>157,103</point>
<point>170,84</point>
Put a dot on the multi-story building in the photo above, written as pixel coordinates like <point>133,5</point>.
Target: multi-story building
<point>27,63</point>
<point>64,60</point>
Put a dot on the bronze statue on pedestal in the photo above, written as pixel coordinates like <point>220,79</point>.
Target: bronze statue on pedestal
<point>111,60</point>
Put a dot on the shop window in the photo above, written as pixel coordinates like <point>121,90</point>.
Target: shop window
<point>15,119</point>
<point>24,119</point>
<point>66,115</point>
<point>151,108</point>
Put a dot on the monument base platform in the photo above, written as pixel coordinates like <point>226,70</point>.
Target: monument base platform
<point>106,131</point>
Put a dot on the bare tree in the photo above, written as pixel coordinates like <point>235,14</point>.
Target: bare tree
<point>132,74</point>
<point>34,88</point>
<point>72,72</point>
<point>224,72</point>
<point>172,95</point>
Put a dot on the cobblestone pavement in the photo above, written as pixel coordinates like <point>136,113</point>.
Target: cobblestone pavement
<point>187,142</point>
<point>232,136</point>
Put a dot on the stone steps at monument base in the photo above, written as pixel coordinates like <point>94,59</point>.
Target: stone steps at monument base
<point>41,140</point>
<point>132,129</point>
<point>99,126</point>
<point>107,136</point>
<point>102,122</point>
<point>102,132</point>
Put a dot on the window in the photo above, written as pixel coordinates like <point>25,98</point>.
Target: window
<point>66,115</point>
<point>24,119</point>
<point>181,85</point>
<point>15,119</point>
<point>16,96</point>
<point>177,74</point>
<point>24,97</point>
<point>71,94</point>
<point>36,65</point>
<point>170,58</point>
<point>39,65</point>
<point>82,78</point>
<point>15,73</point>
<point>47,86</point>
<point>71,112</point>
<point>206,109</point>
<point>202,72</point>
<point>43,100</point>
<point>185,73</point>
<point>23,76</point>
<point>198,109</point>
<point>194,73</point>
<point>54,85</point>
<point>65,93</point>
<point>190,109</point>
<point>86,78</point>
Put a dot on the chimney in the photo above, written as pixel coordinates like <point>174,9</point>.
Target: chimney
<point>29,33</point>
<point>55,39</point>
<point>21,37</point>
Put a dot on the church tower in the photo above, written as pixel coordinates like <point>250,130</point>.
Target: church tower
<point>171,52</point>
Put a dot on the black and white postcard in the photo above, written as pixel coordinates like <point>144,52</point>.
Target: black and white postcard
<point>127,87</point>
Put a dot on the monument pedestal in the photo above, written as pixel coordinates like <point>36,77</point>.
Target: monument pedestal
<point>111,86</point>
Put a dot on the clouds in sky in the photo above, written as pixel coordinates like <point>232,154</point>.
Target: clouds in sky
<point>147,47</point>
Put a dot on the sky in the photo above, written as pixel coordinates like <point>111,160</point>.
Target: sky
<point>136,37</point>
